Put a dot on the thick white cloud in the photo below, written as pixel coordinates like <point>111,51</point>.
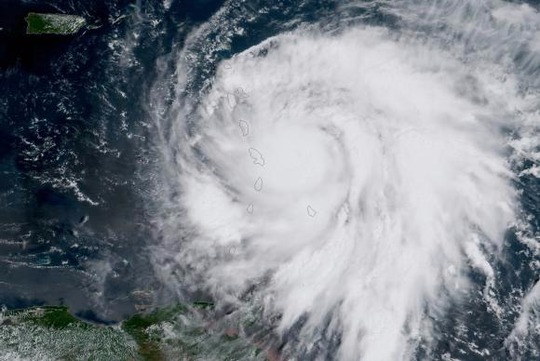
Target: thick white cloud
<point>402,171</point>
<point>360,171</point>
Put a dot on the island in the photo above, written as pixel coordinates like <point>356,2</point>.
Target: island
<point>53,24</point>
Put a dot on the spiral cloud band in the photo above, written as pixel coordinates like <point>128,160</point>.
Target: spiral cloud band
<point>354,178</point>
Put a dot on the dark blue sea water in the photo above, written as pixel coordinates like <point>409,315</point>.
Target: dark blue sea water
<point>79,169</point>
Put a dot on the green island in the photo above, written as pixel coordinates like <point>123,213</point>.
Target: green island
<point>52,333</point>
<point>54,24</point>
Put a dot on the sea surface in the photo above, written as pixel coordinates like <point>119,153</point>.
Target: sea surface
<point>359,179</point>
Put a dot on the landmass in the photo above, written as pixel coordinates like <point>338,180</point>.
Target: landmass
<point>54,24</point>
<point>52,333</point>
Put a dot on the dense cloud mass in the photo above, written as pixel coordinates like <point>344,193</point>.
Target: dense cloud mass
<point>358,180</point>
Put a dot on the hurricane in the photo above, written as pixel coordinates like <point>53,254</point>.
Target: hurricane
<point>356,180</point>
